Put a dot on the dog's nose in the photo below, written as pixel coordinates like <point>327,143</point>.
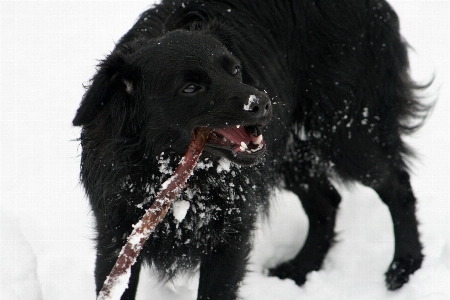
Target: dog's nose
<point>258,105</point>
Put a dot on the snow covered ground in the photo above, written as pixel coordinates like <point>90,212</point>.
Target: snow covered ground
<point>49,48</point>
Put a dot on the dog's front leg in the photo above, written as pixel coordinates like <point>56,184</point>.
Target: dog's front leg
<point>223,268</point>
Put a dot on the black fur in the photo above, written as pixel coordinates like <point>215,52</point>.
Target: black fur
<point>331,75</point>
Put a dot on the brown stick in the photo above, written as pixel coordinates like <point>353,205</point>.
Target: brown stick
<point>117,281</point>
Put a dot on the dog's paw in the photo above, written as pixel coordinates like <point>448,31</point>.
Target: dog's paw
<point>289,271</point>
<point>399,270</point>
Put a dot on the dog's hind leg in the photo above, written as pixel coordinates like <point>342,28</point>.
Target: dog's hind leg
<point>384,170</point>
<point>395,191</point>
<point>320,201</point>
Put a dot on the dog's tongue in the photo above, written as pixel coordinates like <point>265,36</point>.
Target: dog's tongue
<point>235,135</point>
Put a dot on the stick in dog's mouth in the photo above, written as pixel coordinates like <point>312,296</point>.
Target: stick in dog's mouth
<point>117,281</point>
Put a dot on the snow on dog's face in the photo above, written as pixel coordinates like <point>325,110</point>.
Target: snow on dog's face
<point>176,83</point>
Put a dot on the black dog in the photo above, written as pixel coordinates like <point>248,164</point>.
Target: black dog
<point>296,92</point>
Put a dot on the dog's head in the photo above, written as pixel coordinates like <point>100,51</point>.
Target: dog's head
<point>162,89</point>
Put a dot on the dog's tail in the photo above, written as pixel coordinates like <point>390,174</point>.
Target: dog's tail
<point>410,97</point>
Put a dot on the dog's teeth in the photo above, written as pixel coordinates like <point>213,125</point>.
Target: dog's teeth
<point>258,140</point>
<point>238,126</point>
<point>257,148</point>
<point>243,146</point>
<point>225,140</point>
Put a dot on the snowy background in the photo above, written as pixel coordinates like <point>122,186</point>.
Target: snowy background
<point>49,48</point>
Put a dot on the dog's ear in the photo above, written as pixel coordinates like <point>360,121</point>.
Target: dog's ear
<point>109,80</point>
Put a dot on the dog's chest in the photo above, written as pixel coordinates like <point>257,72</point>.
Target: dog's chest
<point>212,208</point>
<point>208,210</point>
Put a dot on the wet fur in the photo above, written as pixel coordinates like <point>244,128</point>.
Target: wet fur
<point>337,75</point>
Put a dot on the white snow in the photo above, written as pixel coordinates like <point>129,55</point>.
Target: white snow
<point>48,49</point>
<point>163,165</point>
<point>224,165</point>
<point>252,99</point>
<point>206,164</point>
<point>128,85</point>
<point>180,209</point>
<point>166,183</point>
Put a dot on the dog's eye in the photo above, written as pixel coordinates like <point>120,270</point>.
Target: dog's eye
<point>192,88</point>
<point>236,70</point>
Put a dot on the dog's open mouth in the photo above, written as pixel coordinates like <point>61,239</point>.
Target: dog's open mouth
<point>247,139</point>
<point>240,144</point>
